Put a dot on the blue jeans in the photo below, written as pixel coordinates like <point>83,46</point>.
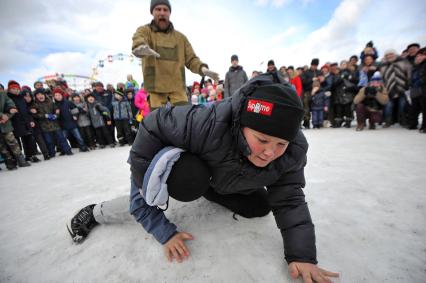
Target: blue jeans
<point>76,134</point>
<point>317,117</point>
<point>389,107</point>
<point>65,147</point>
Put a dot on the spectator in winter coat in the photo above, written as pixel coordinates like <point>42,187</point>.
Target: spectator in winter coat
<point>101,119</point>
<point>105,98</point>
<point>295,80</point>
<point>370,101</point>
<point>38,136</point>
<point>367,69</point>
<point>81,112</point>
<point>9,146</point>
<point>418,92</point>
<point>396,73</point>
<point>344,90</point>
<point>246,153</point>
<point>132,82</point>
<point>235,77</point>
<point>47,115</point>
<point>307,80</point>
<point>122,117</point>
<point>412,50</point>
<point>67,120</point>
<point>23,122</point>
<point>319,104</point>
<point>165,53</point>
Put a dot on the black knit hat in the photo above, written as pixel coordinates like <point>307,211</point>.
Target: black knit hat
<point>271,62</point>
<point>189,178</point>
<point>160,2</point>
<point>275,110</point>
<point>315,62</point>
<point>234,58</point>
<point>413,45</point>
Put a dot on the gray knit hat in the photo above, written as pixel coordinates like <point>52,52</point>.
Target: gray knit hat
<point>160,2</point>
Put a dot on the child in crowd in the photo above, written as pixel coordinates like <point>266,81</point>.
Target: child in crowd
<point>66,118</point>
<point>100,118</point>
<point>83,121</point>
<point>246,154</point>
<point>122,117</point>
<point>319,104</point>
<point>141,102</point>
<point>47,114</point>
<point>38,136</point>
<point>9,146</point>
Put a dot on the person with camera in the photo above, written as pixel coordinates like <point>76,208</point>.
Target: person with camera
<point>370,102</point>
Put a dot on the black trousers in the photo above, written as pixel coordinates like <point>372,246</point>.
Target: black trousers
<point>103,136</point>
<point>88,135</point>
<point>41,144</point>
<point>417,106</point>
<point>343,110</point>
<point>124,134</point>
<point>249,206</point>
<point>28,145</point>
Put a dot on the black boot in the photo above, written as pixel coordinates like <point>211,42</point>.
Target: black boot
<point>82,223</point>
<point>347,123</point>
<point>46,156</point>
<point>84,148</point>
<point>10,164</point>
<point>34,159</point>
<point>21,161</point>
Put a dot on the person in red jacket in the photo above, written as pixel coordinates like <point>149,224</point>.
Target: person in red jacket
<point>295,80</point>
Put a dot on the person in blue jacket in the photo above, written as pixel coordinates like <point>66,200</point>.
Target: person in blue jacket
<point>246,153</point>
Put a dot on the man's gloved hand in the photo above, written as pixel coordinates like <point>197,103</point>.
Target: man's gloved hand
<point>209,73</point>
<point>144,50</point>
<point>51,117</point>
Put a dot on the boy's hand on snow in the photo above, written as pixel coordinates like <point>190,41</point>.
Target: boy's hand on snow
<point>175,248</point>
<point>310,272</point>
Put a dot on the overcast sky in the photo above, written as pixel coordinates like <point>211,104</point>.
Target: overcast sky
<point>40,38</point>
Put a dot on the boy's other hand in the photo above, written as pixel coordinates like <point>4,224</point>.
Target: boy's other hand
<point>175,248</point>
<point>310,272</point>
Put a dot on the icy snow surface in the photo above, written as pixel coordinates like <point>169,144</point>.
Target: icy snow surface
<point>366,192</point>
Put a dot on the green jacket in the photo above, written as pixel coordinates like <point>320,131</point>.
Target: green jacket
<point>167,73</point>
<point>43,108</point>
<point>5,105</point>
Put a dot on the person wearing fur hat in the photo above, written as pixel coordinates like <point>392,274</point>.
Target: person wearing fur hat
<point>396,73</point>
<point>23,122</point>
<point>235,77</point>
<point>165,53</point>
<point>370,101</point>
<point>246,154</point>
<point>47,114</point>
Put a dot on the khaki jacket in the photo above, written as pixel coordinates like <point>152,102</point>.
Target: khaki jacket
<point>166,74</point>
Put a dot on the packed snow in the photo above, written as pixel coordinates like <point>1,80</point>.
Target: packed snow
<point>366,192</point>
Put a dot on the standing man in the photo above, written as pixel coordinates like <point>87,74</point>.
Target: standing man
<point>235,77</point>
<point>307,79</point>
<point>165,53</point>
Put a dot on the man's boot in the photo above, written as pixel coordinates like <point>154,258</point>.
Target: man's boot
<point>10,164</point>
<point>20,159</point>
<point>347,123</point>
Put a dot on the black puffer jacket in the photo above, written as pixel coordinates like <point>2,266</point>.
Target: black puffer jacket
<point>213,132</point>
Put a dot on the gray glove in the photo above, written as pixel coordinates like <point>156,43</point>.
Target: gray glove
<point>144,50</point>
<point>211,74</point>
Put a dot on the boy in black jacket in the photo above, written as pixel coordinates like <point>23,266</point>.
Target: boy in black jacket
<point>246,153</point>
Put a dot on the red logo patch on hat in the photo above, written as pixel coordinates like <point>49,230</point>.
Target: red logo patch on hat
<point>260,107</point>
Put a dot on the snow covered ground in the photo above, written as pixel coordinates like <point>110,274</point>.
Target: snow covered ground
<point>367,197</point>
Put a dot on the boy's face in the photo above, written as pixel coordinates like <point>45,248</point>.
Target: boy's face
<point>264,148</point>
<point>40,97</point>
<point>129,96</point>
<point>57,96</point>
<point>76,99</point>
<point>38,86</point>
<point>27,98</point>
<point>91,99</point>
